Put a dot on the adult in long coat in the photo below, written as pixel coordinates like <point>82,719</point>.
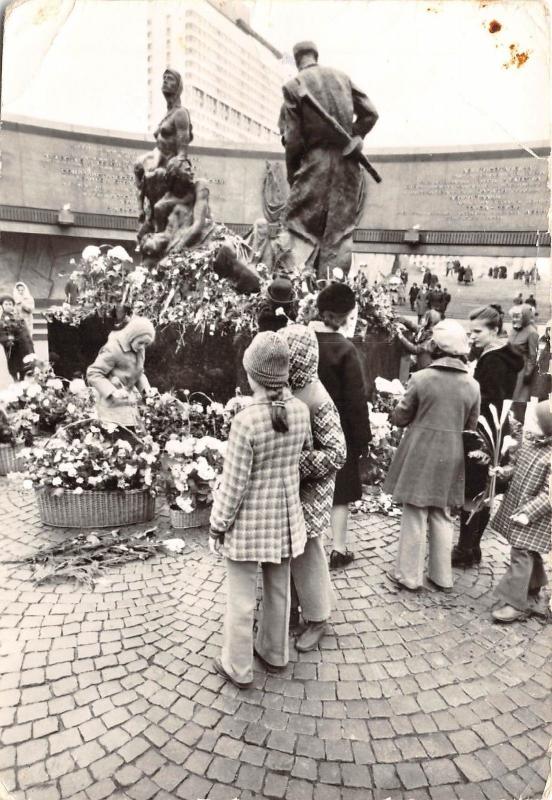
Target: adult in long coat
<point>496,370</point>
<point>524,520</point>
<point>326,184</point>
<point>427,472</point>
<point>525,338</point>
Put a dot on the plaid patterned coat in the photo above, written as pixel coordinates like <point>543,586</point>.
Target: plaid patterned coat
<point>528,493</point>
<point>257,505</point>
<point>318,466</point>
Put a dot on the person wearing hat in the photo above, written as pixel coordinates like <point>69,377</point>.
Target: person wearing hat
<point>325,181</point>
<point>310,575</point>
<point>118,375</point>
<point>256,515</point>
<point>427,471</point>
<point>14,337</point>
<point>278,306</point>
<point>340,371</point>
<point>524,519</point>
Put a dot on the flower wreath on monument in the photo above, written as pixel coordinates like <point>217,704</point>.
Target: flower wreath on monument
<point>183,290</point>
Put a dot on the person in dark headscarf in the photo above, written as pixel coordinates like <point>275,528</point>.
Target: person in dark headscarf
<point>525,339</point>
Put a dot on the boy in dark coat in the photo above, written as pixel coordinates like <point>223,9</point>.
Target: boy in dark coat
<point>15,338</point>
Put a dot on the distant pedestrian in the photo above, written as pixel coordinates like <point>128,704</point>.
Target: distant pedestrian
<point>531,301</point>
<point>518,300</point>
<point>413,294</point>
<point>420,345</point>
<point>421,304</point>
<point>426,280</point>
<point>24,305</point>
<point>433,280</point>
<point>461,273</point>
<point>14,337</point>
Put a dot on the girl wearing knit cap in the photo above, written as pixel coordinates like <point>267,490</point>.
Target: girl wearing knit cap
<point>340,371</point>
<point>256,515</point>
<point>524,520</point>
<point>318,467</point>
<point>427,471</point>
<point>117,374</point>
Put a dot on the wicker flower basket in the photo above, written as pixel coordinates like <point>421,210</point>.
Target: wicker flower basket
<point>9,462</point>
<point>95,509</point>
<point>196,519</point>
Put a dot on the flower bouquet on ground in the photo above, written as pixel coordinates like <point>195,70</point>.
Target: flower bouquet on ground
<point>192,471</point>
<point>85,477</point>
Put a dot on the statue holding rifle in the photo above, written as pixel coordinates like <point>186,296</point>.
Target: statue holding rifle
<point>323,122</point>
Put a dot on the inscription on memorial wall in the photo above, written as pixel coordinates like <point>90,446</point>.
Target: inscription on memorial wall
<point>486,194</point>
<point>107,178</point>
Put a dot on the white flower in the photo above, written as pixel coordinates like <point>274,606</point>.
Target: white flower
<point>33,390</point>
<point>119,253</point>
<point>130,470</point>
<point>91,251</point>
<point>185,504</point>
<point>78,490</point>
<point>71,408</point>
<point>122,444</point>
<point>77,386</point>
<point>55,383</point>
<point>57,481</point>
<point>205,470</point>
<point>27,484</point>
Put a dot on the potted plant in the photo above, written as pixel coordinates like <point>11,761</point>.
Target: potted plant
<point>192,471</point>
<point>86,477</point>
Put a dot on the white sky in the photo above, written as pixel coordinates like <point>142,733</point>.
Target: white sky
<point>434,71</point>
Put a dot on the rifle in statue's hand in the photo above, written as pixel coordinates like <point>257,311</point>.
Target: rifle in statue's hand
<point>351,143</point>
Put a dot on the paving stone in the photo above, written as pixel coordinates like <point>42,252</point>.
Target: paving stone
<point>275,786</point>
<point>411,776</point>
<point>74,782</point>
<point>250,777</point>
<point>299,790</point>
<point>385,776</point>
<point>440,770</point>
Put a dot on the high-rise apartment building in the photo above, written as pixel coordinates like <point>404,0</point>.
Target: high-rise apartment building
<point>232,77</point>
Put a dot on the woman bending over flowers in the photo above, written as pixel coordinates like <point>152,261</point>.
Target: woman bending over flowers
<point>117,374</point>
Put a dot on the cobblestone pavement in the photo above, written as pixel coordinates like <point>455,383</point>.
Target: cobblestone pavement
<point>111,693</point>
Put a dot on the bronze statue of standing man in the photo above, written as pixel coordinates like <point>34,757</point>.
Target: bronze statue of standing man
<point>325,178</point>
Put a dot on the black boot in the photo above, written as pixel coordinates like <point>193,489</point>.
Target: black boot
<point>467,552</point>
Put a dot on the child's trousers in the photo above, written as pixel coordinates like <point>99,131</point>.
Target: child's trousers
<point>525,576</point>
<point>272,631</point>
<point>415,525</point>
<point>313,585</point>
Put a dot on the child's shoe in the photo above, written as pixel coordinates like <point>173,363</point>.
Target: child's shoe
<point>508,614</point>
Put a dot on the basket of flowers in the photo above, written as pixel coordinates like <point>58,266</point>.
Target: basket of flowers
<point>87,477</point>
<point>8,446</point>
<point>192,472</point>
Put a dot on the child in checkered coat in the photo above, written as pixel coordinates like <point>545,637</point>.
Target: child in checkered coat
<point>257,516</point>
<point>318,467</point>
<point>524,519</point>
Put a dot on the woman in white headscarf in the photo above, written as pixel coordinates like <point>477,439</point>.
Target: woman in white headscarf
<point>24,305</point>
